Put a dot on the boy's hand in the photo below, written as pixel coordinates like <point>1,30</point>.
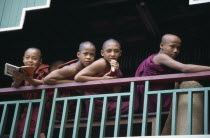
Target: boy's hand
<point>25,76</point>
<point>17,76</point>
<point>107,76</point>
<point>114,64</point>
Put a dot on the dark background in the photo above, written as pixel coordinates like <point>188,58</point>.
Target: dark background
<point>138,25</point>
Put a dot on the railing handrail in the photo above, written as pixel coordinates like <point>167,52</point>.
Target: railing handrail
<point>113,82</point>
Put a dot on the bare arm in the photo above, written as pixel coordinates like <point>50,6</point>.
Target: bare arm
<point>15,84</point>
<point>34,82</point>
<point>163,59</point>
<point>31,80</point>
<point>89,73</point>
<point>18,79</point>
<point>61,75</point>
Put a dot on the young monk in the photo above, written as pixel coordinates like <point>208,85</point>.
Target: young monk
<point>101,69</point>
<point>86,56</point>
<point>32,57</point>
<point>163,63</point>
<point>65,73</point>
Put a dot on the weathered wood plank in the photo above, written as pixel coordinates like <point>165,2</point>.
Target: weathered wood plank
<point>2,4</point>
<point>123,82</point>
<point>13,13</point>
<point>23,4</point>
<point>40,2</point>
<point>6,13</point>
<point>31,3</point>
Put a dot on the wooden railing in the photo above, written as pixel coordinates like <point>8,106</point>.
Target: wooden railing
<point>98,84</point>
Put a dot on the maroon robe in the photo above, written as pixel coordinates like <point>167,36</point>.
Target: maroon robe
<point>149,68</point>
<point>40,72</point>
<point>65,92</point>
<point>111,104</point>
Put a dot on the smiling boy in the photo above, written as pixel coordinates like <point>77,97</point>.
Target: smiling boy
<point>32,57</point>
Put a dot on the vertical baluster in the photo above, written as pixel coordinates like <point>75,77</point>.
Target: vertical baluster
<point>40,114</point>
<point>52,115</point>
<point>117,117</point>
<point>77,119</point>
<point>130,114</point>
<point>158,115</point>
<point>189,116</point>
<point>145,110</point>
<point>174,113</point>
<point>90,118</point>
<point>103,118</point>
<point>64,119</point>
<point>206,112</point>
<point>28,120</point>
<point>3,120</point>
<point>15,121</point>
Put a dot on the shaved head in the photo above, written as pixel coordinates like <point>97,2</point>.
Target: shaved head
<point>110,41</point>
<point>34,49</point>
<point>170,38</point>
<point>83,44</point>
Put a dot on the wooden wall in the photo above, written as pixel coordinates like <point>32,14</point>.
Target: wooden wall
<point>11,11</point>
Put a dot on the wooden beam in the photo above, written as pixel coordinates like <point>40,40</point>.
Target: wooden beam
<point>113,82</point>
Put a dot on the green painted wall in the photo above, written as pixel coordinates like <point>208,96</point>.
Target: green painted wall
<point>11,11</point>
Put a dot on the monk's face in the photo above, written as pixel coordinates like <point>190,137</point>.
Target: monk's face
<point>32,58</point>
<point>171,46</point>
<point>86,55</point>
<point>111,51</point>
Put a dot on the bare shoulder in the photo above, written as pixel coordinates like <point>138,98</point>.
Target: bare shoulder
<point>92,70</point>
<point>70,68</point>
<point>159,58</point>
<point>99,63</point>
<point>96,66</point>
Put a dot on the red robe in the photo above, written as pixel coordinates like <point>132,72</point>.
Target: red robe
<point>111,104</point>
<point>40,72</point>
<point>149,68</point>
<point>65,92</point>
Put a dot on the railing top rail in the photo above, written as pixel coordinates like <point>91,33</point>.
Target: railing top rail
<point>113,82</point>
